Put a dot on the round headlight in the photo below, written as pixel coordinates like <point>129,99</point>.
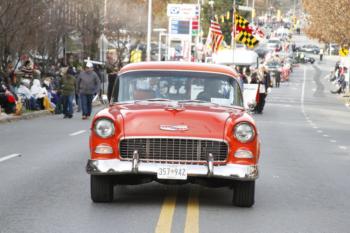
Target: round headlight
<point>104,128</point>
<point>244,132</point>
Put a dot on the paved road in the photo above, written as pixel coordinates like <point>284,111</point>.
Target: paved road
<point>303,187</point>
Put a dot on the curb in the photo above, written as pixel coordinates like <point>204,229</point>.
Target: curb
<point>31,115</point>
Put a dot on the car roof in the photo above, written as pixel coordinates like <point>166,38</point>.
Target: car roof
<point>274,39</point>
<point>179,66</point>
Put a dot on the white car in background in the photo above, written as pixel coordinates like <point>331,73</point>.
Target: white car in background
<point>275,44</point>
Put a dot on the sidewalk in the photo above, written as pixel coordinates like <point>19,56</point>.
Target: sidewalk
<point>330,61</point>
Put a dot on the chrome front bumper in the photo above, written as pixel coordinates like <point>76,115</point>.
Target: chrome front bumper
<point>118,167</point>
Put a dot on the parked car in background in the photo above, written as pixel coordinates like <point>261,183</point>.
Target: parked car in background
<point>309,49</point>
<point>308,59</point>
<point>332,49</point>
<point>175,123</point>
<point>262,50</point>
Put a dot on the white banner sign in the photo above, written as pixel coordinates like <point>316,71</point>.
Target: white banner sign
<point>249,94</point>
<point>183,10</point>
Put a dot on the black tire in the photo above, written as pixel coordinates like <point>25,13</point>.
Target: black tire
<point>101,189</point>
<point>243,193</point>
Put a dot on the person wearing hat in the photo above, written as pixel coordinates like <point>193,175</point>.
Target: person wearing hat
<point>67,89</point>
<point>88,84</point>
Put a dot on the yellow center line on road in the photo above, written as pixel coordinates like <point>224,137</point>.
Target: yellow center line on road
<point>166,214</point>
<point>192,216</point>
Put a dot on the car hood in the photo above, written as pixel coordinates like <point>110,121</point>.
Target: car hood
<point>145,119</point>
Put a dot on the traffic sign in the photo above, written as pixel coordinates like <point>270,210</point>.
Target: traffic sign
<point>343,52</point>
<point>245,8</point>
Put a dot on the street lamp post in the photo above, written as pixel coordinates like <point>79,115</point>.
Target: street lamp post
<point>211,3</point>
<point>161,32</point>
<point>149,31</point>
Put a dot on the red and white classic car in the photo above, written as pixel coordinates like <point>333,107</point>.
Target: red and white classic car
<point>174,122</point>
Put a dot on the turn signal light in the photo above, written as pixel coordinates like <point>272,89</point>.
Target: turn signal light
<point>103,149</point>
<point>244,154</point>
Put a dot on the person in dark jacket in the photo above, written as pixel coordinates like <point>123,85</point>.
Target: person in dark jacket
<point>7,99</point>
<point>264,85</point>
<point>67,89</point>
<point>88,84</point>
<point>111,69</point>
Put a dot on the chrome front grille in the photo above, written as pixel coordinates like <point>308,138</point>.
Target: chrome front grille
<point>175,150</point>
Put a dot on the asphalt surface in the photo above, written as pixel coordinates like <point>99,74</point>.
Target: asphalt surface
<point>303,187</point>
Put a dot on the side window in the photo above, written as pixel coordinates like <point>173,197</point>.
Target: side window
<point>238,94</point>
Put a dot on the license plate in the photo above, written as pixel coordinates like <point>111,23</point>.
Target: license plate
<point>172,172</point>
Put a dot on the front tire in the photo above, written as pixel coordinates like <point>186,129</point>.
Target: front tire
<point>101,188</point>
<point>243,193</point>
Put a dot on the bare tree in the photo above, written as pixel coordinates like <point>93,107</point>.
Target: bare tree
<point>327,20</point>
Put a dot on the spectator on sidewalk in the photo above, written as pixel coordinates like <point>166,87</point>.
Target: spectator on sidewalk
<point>39,93</point>
<point>26,97</point>
<point>88,84</point>
<point>27,70</point>
<point>321,54</point>
<point>7,99</point>
<point>111,69</point>
<point>67,89</point>
<point>77,71</point>
<point>10,76</point>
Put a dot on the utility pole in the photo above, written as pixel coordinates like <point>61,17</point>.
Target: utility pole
<point>294,5</point>
<point>233,43</point>
<point>149,31</point>
<point>253,11</point>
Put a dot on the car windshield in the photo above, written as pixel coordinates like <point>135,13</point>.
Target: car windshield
<point>273,42</point>
<point>191,87</point>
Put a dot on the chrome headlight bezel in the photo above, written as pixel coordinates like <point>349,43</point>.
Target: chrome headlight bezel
<point>244,132</point>
<point>104,127</point>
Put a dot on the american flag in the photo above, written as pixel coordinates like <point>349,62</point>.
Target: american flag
<point>216,35</point>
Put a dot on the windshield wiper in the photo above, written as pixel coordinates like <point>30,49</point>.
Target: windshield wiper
<point>153,100</point>
<point>193,101</point>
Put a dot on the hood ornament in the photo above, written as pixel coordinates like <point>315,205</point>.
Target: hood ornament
<point>174,127</point>
<point>174,106</point>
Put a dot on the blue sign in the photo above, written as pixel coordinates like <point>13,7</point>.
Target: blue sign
<point>180,27</point>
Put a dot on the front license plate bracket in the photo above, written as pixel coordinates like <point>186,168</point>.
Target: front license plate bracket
<point>172,172</point>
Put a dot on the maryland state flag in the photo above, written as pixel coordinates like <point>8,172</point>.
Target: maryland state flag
<point>247,38</point>
<point>241,22</point>
<point>245,32</point>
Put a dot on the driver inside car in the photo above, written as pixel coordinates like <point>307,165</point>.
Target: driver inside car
<point>211,90</point>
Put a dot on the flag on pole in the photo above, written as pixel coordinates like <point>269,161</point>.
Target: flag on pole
<point>244,32</point>
<point>240,21</point>
<point>246,38</point>
<point>216,35</point>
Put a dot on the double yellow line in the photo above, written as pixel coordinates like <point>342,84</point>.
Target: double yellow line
<point>167,212</point>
